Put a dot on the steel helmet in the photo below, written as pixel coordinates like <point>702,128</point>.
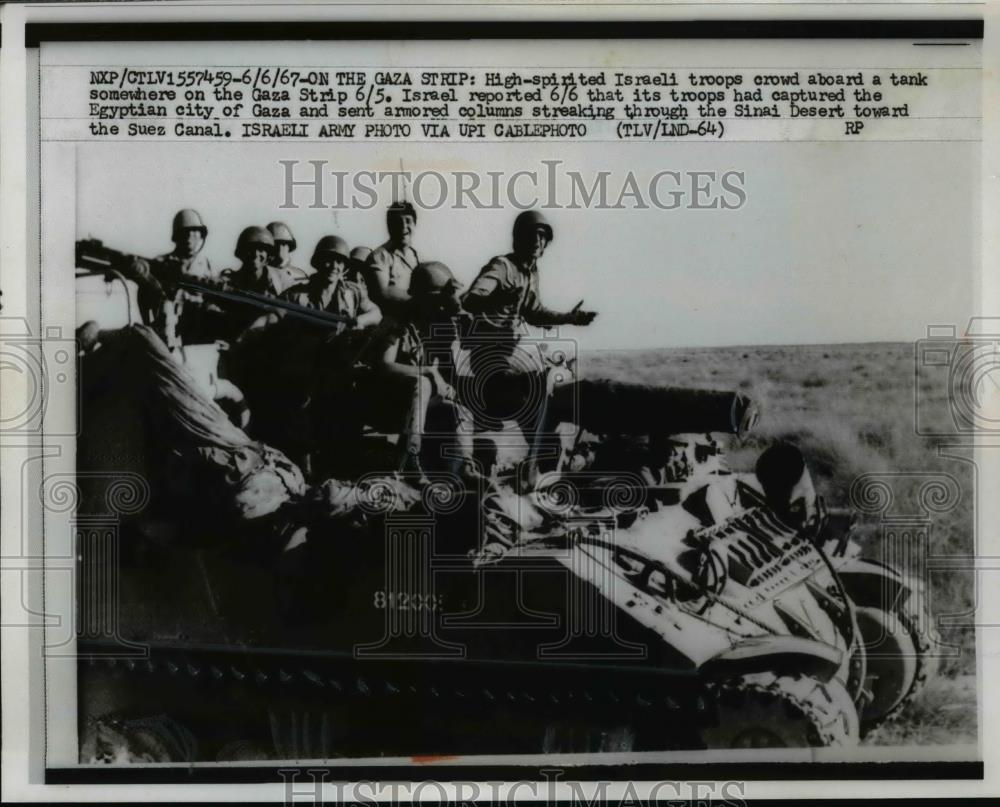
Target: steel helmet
<point>400,209</point>
<point>330,245</point>
<point>282,232</point>
<point>188,219</point>
<point>360,255</point>
<point>254,237</point>
<point>532,220</point>
<point>430,277</point>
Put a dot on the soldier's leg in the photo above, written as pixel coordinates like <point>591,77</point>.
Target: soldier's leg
<point>398,404</point>
<point>411,438</point>
<point>456,440</point>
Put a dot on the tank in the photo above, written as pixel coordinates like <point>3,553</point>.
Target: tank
<point>636,596</point>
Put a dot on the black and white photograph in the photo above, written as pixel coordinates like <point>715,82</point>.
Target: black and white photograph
<point>450,400</point>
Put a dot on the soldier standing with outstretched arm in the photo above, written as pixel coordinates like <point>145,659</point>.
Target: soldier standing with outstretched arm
<point>502,299</point>
<point>505,294</point>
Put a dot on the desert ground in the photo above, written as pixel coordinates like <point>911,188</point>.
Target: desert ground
<point>851,408</point>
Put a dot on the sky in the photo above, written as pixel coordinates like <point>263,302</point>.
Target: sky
<point>835,242</point>
<point>838,241</point>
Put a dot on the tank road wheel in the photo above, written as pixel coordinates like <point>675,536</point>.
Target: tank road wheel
<point>767,710</point>
<point>158,738</point>
<point>899,661</point>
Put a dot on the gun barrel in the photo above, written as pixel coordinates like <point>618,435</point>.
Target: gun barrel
<point>269,303</point>
<point>93,256</point>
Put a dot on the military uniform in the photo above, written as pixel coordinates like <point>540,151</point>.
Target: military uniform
<point>197,266</point>
<point>405,335</point>
<point>396,263</point>
<point>514,297</point>
<point>506,377</point>
<point>395,403</point>
<point>240,316</point>
<point>288,274</point>
<point>176,317</point>
<point>270,283</point>
<point>343,297</point>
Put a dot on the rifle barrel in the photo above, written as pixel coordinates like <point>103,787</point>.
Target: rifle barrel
<point>270,303</point>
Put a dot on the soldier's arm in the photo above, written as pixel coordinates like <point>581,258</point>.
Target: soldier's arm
<point>485,290</point>
<point>477,298</point>
<point>540,316</point>
<point>387,359</point>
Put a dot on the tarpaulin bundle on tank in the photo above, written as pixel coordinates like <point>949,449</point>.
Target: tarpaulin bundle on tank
<point>176,402</point>
<point>205,454</point>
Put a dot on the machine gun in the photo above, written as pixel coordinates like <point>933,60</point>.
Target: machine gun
<point>93,257</point>
<point>165,277</point>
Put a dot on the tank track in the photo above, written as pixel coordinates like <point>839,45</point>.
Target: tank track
<point>291,690</point>
<point>927,664</point>
<point>185,664</point>
<point>827,707</point>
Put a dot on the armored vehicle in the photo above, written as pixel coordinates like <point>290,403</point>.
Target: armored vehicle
<point>666,604</point>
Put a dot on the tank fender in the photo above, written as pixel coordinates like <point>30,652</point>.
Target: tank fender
<point>778,654</point>
<point>871,584</point>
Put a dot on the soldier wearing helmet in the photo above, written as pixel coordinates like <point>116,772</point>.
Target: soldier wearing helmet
<point>413,354</point>
<point>284,246</point>
<point>502,299</point>
<point>309,412</point>
<point>329,288</point>
<point>188,234</point>
<point>390,265</point>
<point>254,249</point>
<point>359,258</point>
<point>162,301</point>
<point>505,294</point>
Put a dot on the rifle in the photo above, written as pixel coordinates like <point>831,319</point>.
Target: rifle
<point>93,257</point>
<point>220,291</point>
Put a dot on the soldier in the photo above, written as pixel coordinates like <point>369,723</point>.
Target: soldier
<point>359,256</point>
<point>502,299</point>
<point>255,275</point>
<point>390,265</point>
<point>407,377</point>
<point>254,248</point>
<point>505,294</point>
<point>308,414</point>
<point>284,246</point>
<point>162,302</point>
<point>188,234</point>
<point>329,288</point>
